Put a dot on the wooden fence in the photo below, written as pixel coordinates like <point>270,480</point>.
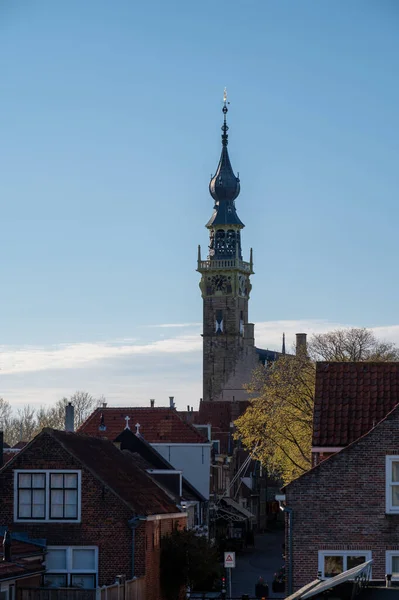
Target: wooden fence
<point>134,589</point>
<point>55,594</point>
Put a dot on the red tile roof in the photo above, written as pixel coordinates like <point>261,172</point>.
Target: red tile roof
<point>20,549</point>
<point>117,471</point>
<point>162,425</point>
<point>219,414</point>
<point>19,567</point>
<point>351,398</point>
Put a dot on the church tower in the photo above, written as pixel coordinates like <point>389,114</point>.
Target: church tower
<point>229,353</point>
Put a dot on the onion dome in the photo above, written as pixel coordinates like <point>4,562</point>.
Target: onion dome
<point>224,186</point>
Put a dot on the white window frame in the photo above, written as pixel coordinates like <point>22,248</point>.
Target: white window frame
<point>389,508</point>
<point>344,553</point>
<point>69,572</point>
<point>388,562</point>
<point>47,473</point>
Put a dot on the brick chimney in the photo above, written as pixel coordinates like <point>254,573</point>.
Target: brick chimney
<point>152,403</point>
<point>301,345</point>
<point>69,417</point>
<point>171,401</point>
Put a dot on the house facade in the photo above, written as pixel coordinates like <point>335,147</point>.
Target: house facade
<point>100,514</point>
<point>345,510</point>
<point>181,444</point>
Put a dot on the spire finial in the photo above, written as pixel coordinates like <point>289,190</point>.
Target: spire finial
<point>283,348</point>
<point>225,127</point>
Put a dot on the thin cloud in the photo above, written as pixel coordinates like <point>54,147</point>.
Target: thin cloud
<point>174,325</point>
<point>94,355</point>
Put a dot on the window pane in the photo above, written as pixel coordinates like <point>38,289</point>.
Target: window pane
<point>55,580</point>
<point>38,480</point>
<point>354,561</point>
<point>24,496</point>
<point>57,481</point>
<point>395,566</point>
<point>24,511</point>
<point>38,511</point>
<point>71,480</point>
<point>24,480</point>
<point>71,497</point>
<point>56,559</point>
<point>71,511</point>
<point>395,470</point>
<point>395,495</point>
<point>83,581</point>
<point>57,511</point>
<point>333,565</point>
<point>83,560</point>
<point>38,496</point>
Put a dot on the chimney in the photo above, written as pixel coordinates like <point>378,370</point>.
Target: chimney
<point>1,445</point>
<point>152,403</point>
<point>104,405</point>
<point>301,346</point>
<point>188,408</point>
<point>69,417</point>
<point>171,401</point>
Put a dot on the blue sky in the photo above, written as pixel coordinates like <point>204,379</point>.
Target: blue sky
<point>110,129</point>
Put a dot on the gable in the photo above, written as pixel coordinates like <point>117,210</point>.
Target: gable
<point>353,463</point>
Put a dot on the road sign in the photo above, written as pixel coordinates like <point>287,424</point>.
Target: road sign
<point>229,560</point>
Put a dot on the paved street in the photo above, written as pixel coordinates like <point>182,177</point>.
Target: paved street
<point>262,560</point>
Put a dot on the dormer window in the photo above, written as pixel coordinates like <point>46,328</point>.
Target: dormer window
<point>51,496</point>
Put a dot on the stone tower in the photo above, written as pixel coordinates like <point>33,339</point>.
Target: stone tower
<point>229,353</point>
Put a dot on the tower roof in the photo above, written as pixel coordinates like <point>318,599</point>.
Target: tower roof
<point>224,186</point>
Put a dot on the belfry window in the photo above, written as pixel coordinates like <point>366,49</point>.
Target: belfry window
<point>219,322</point>
<point>220,242</point>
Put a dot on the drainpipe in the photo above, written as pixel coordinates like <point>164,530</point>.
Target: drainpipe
<point>290,551</point>
<point>133,524</point>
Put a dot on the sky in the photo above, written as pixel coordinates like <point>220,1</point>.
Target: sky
<point>110,129</point>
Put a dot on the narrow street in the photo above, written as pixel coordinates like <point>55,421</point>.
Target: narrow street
<point>261,561</point>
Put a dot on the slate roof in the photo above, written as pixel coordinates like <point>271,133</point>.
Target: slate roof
<point>136,444</point>
<point>162,425</point>
<point>351,398</point>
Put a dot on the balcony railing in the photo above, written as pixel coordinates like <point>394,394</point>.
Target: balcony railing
<point>231,263</point>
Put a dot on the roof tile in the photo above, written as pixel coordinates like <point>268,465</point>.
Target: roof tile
<point>351,398</point>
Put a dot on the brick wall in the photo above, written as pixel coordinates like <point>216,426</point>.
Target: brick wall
<point>340,505</point>
<point>154,531</point>
<point>104,516</point>
<point>224,355</point>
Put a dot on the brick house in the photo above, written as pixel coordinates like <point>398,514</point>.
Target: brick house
<point>350,399</point>
<point>181,444</point>
<point>345,510</point>
<point>100,513</point>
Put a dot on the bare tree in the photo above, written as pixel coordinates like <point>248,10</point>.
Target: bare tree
<point>351,345</point>
<point>5,413</point>
<point>28,422</point>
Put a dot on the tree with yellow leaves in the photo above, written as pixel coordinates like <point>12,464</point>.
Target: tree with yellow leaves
<point>277,426</point>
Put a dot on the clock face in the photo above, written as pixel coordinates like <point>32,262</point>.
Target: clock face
<point>220,283</point>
